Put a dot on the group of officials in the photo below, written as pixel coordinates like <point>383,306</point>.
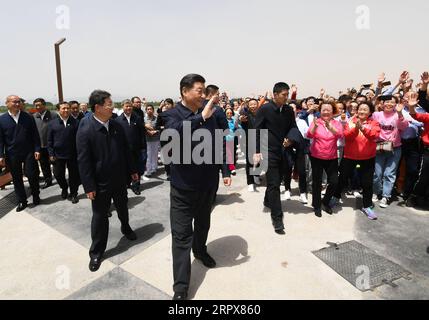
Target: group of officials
<point>103,155</point>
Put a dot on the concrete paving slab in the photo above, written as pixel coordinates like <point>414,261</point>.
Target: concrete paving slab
<point>39,262</point>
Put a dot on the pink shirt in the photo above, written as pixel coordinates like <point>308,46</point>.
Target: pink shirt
<point>391,126</point>
<point>324,145</point>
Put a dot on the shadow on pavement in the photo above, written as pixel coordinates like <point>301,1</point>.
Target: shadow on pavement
<point>143,234</point>
<point>228,252</point>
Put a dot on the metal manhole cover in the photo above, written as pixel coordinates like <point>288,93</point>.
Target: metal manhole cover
<point>7,204</point>
<point>359,265</point>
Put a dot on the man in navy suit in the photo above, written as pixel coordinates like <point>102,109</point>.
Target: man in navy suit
<point>20,146</point>
<point>136,136</point>
<point>62,151</point>
<point>105,163</point>
<point>193,185</point>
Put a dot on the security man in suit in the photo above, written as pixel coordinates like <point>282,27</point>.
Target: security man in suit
<point>105,163</point>
<point>193,185</point>
<point>42,117</point>
<point>136,136</point>
<point>279,119</point>
<point>20,146</point>
<point>62,151</point>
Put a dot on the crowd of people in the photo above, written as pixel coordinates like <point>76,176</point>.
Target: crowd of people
<point>371,143</point>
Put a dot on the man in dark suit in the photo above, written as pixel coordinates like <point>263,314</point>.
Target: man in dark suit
<point>42,117</point>
<point>136,136</point>
<point>193,185</point>
<point>62,151</point>
<point>20,146</point>
<point>105,163</point>
<point>278,119</point>
<point>74,110</point>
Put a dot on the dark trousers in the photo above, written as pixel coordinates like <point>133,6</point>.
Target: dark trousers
<point>412,156</point>
<point>422,185</point>
<point>31,170</point>
<point>60,174</point>
<point>45,164</point>
<point>331,169</point>
<point>249,176</point>
<point>135,185</point>
<point>185,207</point>
<point>367,168</point>
<point>100,220</point>
<point>302,174</point>
<point>274,175</point>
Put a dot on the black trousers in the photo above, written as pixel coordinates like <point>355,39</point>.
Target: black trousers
<point>185,207</point>
<point>274,176</point>
<point>60,174</point>
<point>302,174</point>
<point>367,168</point>
<point>100,219</point>
<point>45,164</point>
<point>422,185</point>
<point>411,154</point>
<point>31,170</point>
<point>249,168</point>
<point>331,169</point>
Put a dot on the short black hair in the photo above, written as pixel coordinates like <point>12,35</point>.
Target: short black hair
<point>41,100</point>
<point>361,96</point>
<point>281,86</point>
<point>73,102</point>
<point>58,105</point>
<point>189,80</point>
<point>150,106</point>
<point>134,98</point>
<point>169,101</point>
<point>345,98</point>
<point>98,97</point>
<point>211,89</point>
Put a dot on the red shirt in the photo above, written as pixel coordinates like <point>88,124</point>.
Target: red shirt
<point>424,118</point>
<point>361,145</point>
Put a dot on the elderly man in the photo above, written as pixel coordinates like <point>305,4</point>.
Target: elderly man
<point>20,146</point>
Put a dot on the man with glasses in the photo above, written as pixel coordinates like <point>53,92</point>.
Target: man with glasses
<point>20,147</point>
<point>105,163</point>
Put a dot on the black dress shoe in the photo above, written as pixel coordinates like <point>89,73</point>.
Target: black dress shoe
<point>129,233</point>
<point>21,206</point>
<point>74,199</point>
<point>278,226</point>
<point>36,200</point>
<point>64,194</point>
<point>318,213</point>
<point>136,191</point>
<point>47,184</point>
<point>327,209</point>
<point>180,296</point>
<point>207,261</point>
<point>94,264</point>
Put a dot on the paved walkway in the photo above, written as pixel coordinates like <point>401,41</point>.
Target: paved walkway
<point>44,250</point>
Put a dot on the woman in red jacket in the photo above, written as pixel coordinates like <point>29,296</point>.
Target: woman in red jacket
<point>361,134</point>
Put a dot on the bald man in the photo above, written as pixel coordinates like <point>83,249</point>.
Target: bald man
<point>20,146</point>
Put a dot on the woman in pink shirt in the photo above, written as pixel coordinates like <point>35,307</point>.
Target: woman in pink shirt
<point>392,122</point>
<point>325,133</point>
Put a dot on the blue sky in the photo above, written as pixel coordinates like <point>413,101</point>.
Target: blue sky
<point>144,47</point>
